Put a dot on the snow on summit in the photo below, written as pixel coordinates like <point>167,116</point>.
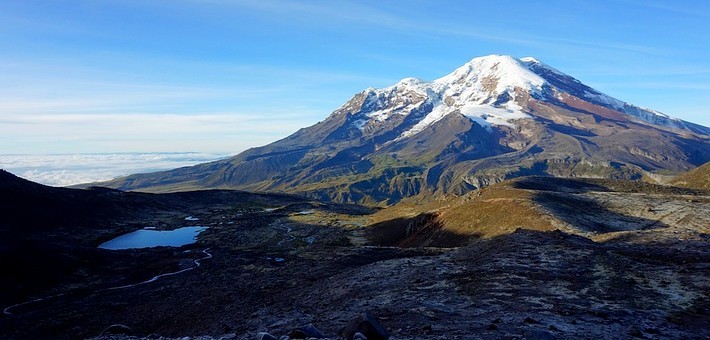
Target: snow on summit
<point>484,91</point>
<point>506,71</point>
<point>492,91</point>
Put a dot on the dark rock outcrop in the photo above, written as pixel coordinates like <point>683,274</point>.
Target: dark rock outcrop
<point>366,325</point>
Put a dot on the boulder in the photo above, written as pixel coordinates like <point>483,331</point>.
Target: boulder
<point>359,336</point>
<point>306,332</point>
<point>264,336</point>
<point>364,325</point>
<point>117,329</point>
<point>538,334</point>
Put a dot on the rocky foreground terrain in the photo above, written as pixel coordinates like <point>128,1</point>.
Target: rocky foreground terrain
<point>567,259</point>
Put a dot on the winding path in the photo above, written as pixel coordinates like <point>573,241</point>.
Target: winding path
<point>287,236</point>
<point>155,278</point>
<point>6,311</point>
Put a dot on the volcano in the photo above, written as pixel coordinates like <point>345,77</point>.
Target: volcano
<point>494,118</point>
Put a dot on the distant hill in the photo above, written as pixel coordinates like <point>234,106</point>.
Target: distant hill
<point>696,178</point>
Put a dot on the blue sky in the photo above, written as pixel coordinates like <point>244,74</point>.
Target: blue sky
<point>222,76</point>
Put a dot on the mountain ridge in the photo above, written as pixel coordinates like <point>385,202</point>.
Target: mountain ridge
<point>494,118</point>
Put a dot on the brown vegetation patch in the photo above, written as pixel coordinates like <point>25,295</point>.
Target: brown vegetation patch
<point>697,178</point>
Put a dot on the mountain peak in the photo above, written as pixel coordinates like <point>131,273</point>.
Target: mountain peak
<point>494,74</point>
<point>489,90</point>
<point>493,90</point>
<point>534,64</point>
<point>529,60</point>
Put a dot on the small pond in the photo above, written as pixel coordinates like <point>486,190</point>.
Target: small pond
<point>154,238</point>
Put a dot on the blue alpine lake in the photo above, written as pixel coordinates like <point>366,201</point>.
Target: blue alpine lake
<point>154,238</point>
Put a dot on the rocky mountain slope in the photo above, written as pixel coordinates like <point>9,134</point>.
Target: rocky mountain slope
<point>496,117</point>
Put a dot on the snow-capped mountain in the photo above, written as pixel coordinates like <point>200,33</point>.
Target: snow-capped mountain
<point>493,118</point>
<point>493,90</point>
<point>484,90</point>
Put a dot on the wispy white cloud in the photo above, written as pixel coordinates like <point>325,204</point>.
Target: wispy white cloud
<point>41,87</point>
<point>227,132</point>
<point>362,14</point>
<point>332,11</point>
<point>664,85</point>
<point>643,71</point>
<point>262,104</point>
<point>688,8</point>
<point>601,46</point>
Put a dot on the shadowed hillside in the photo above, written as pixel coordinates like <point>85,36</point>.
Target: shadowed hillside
<point>48,234</point>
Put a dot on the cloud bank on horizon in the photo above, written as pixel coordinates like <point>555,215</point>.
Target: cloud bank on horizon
<point>70,169</point>
<point>222,76</point>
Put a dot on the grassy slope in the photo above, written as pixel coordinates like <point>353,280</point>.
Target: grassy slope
<point>588,207</point>
<point>696,178</point>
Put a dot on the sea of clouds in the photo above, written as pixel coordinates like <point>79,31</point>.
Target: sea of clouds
<point>71,169</point>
